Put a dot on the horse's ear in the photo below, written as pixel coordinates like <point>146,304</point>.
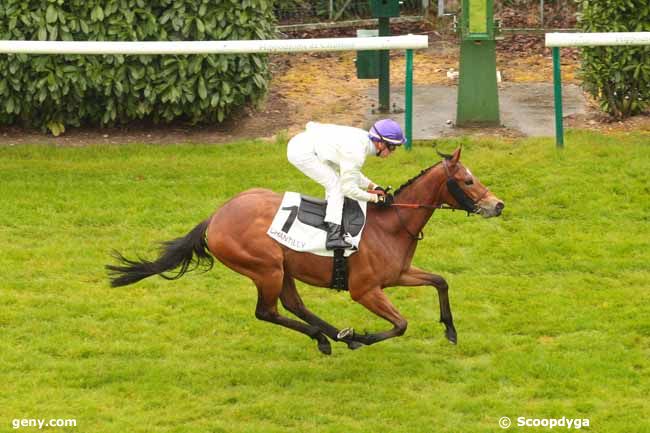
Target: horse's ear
<point>455,157</point>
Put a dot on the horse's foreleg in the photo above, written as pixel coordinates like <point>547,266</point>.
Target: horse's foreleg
<point>376,301</point>
<point>418,277</point>
<point>267,309</point>
<point>292,301</point>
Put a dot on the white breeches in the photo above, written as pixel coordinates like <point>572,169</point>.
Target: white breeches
<point>300,153</point>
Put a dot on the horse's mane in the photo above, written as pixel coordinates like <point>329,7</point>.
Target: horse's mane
<point>413,179</point>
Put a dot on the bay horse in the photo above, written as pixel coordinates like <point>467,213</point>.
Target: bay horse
<point>236,236</point>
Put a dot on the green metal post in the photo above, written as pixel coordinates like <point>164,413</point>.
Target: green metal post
<point>408,100</point>
<point>384,69</point>
<point>478,94</point>
<point>557,86</point>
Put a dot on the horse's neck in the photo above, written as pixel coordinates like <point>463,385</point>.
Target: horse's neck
<point>425,190</point>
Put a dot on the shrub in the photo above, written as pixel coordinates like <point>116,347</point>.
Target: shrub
<point>618,77</point>
<point>56,91</point>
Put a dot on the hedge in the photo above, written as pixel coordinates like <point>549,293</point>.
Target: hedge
<point>618,77</point>
<point>57,91</point>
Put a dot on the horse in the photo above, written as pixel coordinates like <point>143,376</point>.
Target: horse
<point>236,236</point>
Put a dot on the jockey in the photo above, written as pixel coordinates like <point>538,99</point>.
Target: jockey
<point>333,155</point>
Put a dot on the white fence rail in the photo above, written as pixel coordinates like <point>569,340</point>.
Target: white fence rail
<point>596,39</point>
<point>215,47</point>
<point>407,42</point>
<point>558,40</point>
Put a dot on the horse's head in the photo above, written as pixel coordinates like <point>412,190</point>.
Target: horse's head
<point>464,190</point>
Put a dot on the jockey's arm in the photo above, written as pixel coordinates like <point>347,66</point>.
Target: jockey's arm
<point>365,183</point>
<point>354,183</point>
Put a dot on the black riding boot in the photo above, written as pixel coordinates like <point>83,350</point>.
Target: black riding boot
<point>335,237</point>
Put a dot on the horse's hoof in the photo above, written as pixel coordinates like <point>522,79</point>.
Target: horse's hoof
<point>325,348</point>
<point>354,345</point>
<point>345,333</point>
<point>451,336</point>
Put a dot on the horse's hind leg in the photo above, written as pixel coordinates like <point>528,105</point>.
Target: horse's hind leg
<point>268,291</point>
<point>291,301</point>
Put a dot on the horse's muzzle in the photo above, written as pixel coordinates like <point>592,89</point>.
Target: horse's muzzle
<point>490,207</point>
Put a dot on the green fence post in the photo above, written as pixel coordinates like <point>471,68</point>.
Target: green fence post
<point>557,91</point>
<point>384,69</point>
<point>408,113</point>
<point>384,10</point>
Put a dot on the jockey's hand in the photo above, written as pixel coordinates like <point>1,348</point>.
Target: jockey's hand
<point>385,200</point>
<point>381,190</point>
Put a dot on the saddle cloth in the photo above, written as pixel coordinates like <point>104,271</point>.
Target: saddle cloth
<point>298,224</point>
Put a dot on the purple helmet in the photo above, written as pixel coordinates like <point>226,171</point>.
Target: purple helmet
<point>389,131</point>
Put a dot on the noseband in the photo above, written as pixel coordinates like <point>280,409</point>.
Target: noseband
<point>464,201</point>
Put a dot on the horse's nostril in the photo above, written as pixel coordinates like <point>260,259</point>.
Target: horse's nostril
<point>499,206</point>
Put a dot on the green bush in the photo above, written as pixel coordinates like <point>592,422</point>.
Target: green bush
<point>618,77</point>
<point>56,91</point>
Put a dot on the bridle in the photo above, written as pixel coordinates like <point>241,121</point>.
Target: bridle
<point>465,202</point>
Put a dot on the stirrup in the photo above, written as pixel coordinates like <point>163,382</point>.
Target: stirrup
<point>345,333</point>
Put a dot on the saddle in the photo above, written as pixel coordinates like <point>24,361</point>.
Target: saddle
<point>299,224</point>
<point>312,212</point>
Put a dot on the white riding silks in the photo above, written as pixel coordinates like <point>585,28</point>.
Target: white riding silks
<point>333,155</point>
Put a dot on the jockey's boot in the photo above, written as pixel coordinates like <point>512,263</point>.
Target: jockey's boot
<point>335,237</point>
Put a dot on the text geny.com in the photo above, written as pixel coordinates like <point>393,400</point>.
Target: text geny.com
<point>40,423</point>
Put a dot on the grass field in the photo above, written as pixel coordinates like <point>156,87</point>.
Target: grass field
<point>551,301</point>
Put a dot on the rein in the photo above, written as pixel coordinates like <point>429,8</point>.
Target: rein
<point>422,206</point>
<point>420,235</point>
<point>417,237</point>
<point>466,203</point>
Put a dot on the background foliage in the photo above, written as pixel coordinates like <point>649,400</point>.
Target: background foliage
<point>319,10</point>
<point>618,77</point>
<point>55,91</point>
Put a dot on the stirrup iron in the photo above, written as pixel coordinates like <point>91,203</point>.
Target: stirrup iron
<point>345,333</point>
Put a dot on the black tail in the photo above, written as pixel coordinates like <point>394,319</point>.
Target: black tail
<point>189,252</point>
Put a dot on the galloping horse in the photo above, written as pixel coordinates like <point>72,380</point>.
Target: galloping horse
<point>236,235</point>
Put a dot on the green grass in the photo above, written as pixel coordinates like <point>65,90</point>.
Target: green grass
<point>551,301</point>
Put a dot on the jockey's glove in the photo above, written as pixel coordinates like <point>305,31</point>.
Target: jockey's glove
<point>381,190</point>
<point>385,200</point>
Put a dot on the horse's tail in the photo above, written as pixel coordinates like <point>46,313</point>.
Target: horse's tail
<point>189,252</point>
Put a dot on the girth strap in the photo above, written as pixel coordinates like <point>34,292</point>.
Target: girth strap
<point>339,270</point>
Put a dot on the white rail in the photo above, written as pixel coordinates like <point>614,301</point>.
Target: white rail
<point>215,47</point>
<point>596,39</point>
<point>558,40</point>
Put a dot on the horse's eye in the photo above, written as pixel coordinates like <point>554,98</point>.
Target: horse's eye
<point>469,181</point>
